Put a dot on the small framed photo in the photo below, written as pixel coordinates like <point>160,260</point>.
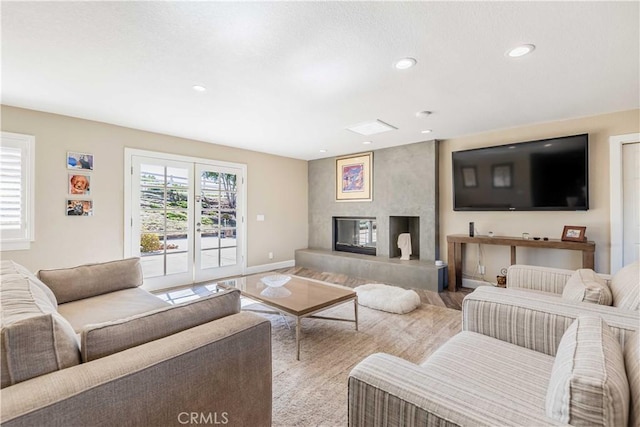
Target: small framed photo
<point>469,178</point>
<point>79,184</point>
<point>79,208</point>
<point>501,175</point>
<point>574,233</point>
<point>81,161</point>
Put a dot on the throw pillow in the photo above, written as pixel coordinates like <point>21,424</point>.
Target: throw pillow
<point>585,285</point>
<point>625,287</point>
<point>71,284</point>
<point>34,339</point>
<point>632,363</point>
<point>102,339</point>
<point>588,384</point>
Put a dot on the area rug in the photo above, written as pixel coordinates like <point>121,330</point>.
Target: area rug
<point>313,391</point>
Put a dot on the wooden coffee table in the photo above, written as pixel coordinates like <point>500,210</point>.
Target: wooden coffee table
<point>298,298</point>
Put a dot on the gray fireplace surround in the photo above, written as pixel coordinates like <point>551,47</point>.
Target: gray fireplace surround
<point>405,199</point>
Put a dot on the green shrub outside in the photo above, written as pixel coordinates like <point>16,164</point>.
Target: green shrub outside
<point>149,243</point>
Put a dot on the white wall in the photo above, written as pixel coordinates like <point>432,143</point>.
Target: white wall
<point>549,224</point>
<point>277,188</point>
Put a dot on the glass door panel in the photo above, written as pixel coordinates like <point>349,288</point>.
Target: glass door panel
<point>217,248</point>
<point>163,220</point>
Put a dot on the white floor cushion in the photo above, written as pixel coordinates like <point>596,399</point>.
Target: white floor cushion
<point>387,298</point>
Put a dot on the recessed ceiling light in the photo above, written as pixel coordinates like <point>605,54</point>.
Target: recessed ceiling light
<point>426,131</point>
<point>548,145</point>
<point>520,50</point>
<point>199,88</point>
<point>366,142</point>
<point>404,63</point>
<point>323,150</point>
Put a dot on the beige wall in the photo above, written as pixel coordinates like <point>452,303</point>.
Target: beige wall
<point>549,224</point>
<point>277,188</point>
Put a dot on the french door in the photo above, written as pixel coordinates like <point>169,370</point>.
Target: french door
<point>186,219</point>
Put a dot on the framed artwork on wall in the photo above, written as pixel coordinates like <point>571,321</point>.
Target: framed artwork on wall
<point>79,207</point>
<point>79,184</point>
<point>77,160</point>
<point>354,178</point>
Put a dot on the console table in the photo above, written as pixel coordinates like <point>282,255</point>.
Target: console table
<point>455,244</point>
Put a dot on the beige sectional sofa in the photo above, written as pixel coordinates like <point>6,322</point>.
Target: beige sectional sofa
<point>88,346</point>
<point>524,358</point>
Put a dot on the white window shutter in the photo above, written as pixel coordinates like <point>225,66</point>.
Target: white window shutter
<point>16,190</point>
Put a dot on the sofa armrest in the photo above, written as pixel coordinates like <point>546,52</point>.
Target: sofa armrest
<point>534,320</point>
<point>220,371</point>
<point>385,390</point>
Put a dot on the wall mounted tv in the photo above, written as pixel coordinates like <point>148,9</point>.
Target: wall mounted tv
<point>544,175</point>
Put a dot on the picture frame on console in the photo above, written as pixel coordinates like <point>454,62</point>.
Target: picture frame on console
<point>574,233</point>
<point>354,178</point>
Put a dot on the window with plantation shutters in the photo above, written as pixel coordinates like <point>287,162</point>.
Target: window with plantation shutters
<point>16,191</point>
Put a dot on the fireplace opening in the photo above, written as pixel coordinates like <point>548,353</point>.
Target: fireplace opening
<point>357,235</point>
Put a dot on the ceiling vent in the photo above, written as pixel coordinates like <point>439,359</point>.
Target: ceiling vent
<point>371,128</point>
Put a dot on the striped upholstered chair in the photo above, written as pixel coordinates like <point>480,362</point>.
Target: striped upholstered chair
<point>518,360</point>
<point>540,303</point>
<point>476,380</point>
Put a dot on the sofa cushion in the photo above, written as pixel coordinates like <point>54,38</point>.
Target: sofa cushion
<point>492,374</point>
<point>35,339</point>
<point>103,339</point>
<point>588,384</point>
<point>632,365</point>
<point>71,284</point>
<point>625,287</point>
<point>10,267</point>
<point>107,307</point>
<point>585,285</point>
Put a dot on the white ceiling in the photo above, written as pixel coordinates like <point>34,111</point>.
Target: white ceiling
<point>288,78</point>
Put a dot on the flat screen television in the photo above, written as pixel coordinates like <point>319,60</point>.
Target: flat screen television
<point>543,175</point>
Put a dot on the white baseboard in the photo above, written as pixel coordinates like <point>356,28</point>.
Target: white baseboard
<point>255,269</point>
<point>472,283</point>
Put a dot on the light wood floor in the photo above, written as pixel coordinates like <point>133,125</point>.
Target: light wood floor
<point>442,299</point>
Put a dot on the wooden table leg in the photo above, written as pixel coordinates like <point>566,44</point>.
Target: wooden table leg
<point>452,266</point>
<point>588,259</point>
<point>458,262</point>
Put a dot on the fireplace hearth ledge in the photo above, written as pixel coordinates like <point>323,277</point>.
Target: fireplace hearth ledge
<point>411,274</point>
